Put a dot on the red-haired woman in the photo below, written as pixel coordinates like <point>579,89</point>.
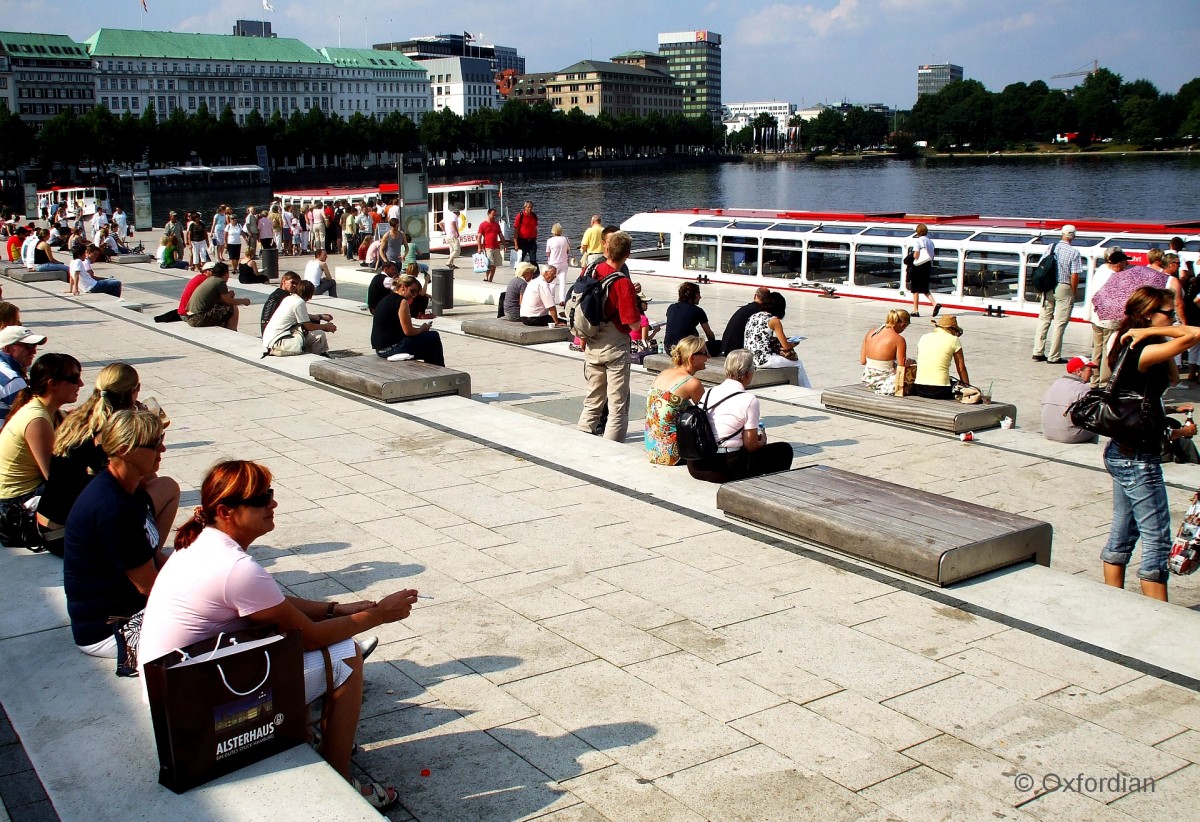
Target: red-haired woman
<point>1140,506</point>
<point>212,585</point>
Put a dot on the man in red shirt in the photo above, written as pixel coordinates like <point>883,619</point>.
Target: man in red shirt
<point>491,242</point>
<point>525,226</point>
<point>606,356</point>
<point>13,245</point>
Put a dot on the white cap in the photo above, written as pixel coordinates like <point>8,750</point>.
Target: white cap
<point>1068,229</point>
<point>19,334</point>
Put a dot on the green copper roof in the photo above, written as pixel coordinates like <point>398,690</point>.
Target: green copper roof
<point>638,54</point>
<point>170,45</point>
<point>371,58</point>
<point>602,67</point>
<point>41,46</point>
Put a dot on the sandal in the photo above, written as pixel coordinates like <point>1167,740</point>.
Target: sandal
<point>380,797</point>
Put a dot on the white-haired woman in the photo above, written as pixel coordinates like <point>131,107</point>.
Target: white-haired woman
<point>558,254</point>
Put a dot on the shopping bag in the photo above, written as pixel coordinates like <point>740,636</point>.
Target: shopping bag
<point>480,262</point>
<point>1185,550</point>
<point>225,703</point>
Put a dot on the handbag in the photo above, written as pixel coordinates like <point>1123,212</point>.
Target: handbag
<point>222,704</point>
<point>18,523</point>
<point>904,386</point>
<point>290,344</point>
<point>1126,416</point>
<point>1185,550</point>
<point>908,263</point>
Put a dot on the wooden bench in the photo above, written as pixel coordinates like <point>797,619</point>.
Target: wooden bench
<point>493,328</point>
<point>945,415</point>
<point>713,372</point>
<point>379,379</point>
<point>126,259</point>
<point>928,536</point>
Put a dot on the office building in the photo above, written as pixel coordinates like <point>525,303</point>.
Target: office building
<point>934,77</point>
<point>462,84</point>
<point>646,59</point>
<point>438,46</point>
<point>595,87</point>
<point>694,60</point>
<point>526,88</point>
<point>739,115</point>
<point>44,75</point>
<point>252,28</point>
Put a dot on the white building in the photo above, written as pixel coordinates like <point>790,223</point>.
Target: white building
<point>739,115</point>
<point>462,84</point>
<point>377,83</point>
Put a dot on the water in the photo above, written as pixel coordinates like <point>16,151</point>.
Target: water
<point>1155,188</point>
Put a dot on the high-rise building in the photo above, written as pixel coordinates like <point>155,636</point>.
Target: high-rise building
<point>595,87</point>
<point>458,45</point>
<point>462,84</point>
<point>252,28</point>
<point>694,60</point>
<point>934,77</point>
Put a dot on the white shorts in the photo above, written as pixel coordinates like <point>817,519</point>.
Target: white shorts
<point>314,668</point>
<point>105,648</point>
<point>199,251</point>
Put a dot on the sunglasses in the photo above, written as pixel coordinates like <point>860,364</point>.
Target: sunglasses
<point>1170,315</point>
<point>76,379</point>
<point>257,501</point>
<point>156,445</point>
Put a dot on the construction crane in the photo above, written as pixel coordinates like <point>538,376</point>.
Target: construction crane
<point>1079,72</point>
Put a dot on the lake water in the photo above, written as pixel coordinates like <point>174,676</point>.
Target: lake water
<point>1157,188</point>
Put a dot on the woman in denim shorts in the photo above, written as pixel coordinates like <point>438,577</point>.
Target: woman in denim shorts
<point>1139,494</point>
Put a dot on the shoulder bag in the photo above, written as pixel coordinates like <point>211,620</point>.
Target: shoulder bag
<point>1125,415</point>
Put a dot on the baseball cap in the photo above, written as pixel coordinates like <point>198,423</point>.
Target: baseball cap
<point>1077,364</point>
<point>1068,229</point>
<point>19,334</point>
<point>1118,256</point>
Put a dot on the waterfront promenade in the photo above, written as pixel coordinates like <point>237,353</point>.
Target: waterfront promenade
<point>602,644</point>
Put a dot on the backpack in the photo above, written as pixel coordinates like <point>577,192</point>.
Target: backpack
<point>1045,276</point>
<point>693,432</point>
<point>586,302</point>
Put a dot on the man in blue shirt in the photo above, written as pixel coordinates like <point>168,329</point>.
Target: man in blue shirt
<point>1056,304</point>
<point>18,347</point>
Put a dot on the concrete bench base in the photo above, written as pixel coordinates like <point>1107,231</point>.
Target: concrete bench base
<point>944,415</point>
<point>514,332</point>
<point>21,274</point>
<point>928,536</point>
<point>713,372</point>
<point>379,379</point>
<point>126,259</point>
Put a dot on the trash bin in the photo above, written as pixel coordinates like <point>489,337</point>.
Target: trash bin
<point>441,294</point>
<point>270,263</point>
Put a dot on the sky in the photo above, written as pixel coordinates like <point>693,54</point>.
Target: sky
<point>820,51</point>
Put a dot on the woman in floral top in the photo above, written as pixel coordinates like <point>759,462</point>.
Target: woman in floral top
<point>670,393</point>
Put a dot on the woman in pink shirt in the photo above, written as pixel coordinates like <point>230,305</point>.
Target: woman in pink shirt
<point>211,585</point>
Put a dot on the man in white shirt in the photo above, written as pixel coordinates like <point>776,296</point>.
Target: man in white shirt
<point>99,221</point>
<point>450,228</point>
<point>27,248</point>
<point>538,305</point>
<point>292,331</point>
<point>317,273</point>
<point>82,279</point>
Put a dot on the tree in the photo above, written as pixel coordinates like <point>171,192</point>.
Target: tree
<point>865,128</point>
<point>61,139</point>
<point>1097,102</point>
<point>827,131</point>
<point>442,132</point>
<point>16,140</point>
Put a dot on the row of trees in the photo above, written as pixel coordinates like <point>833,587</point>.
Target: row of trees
<point>832,128</point>
<point>100,138</point>
<point>1102,106</point>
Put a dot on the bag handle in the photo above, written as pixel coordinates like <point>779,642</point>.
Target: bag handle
<point>233,690</point>
<point>706,409</point>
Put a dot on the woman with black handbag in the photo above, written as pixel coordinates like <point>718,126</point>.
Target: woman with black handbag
<point>1148,340</point>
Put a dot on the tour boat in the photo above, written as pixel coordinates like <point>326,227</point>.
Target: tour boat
<point>86,198</point>
<point>980,263</point>
<point>473,198</point>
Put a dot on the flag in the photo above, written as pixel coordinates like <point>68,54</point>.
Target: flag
<point>267,6</point>
<point>144,7</point>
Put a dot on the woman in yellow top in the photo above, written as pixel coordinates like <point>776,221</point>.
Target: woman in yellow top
<point>27,442</point>
<point>935,351</point>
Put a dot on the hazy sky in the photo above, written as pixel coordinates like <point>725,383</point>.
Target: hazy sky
<point>804,52</point>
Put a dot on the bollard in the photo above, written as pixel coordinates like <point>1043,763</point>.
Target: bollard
<point>441,296</point>
<point>270,263</point>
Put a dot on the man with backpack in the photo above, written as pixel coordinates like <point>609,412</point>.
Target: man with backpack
<point>1058,300</point>
<point>606,343</point>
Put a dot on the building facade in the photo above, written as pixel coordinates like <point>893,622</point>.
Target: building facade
<point>740,115</point>
<point>462,84</point>
<point>596,87</point>
<point>528,88</point>
<point>646,59</point>
<point>694,60</point>
<point>44,75</point>
<point>934,77</point>
<point>378,83</point>
<point>437,46</point>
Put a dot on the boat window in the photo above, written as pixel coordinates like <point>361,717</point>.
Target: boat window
<point>1127,243</point>
<point>794,228</point>
<point>1002,238</point>
<point>942,234</point>
<point>828,262</point>
<point>1193,245</point>
<point>839,229</point>
<point>700,252</point>
<point>777,243</point>
<point>783,263</point>
<point>888,232</point>
<point>1078,242</point>
<point>878,266</point>
<point>750,226</point>
<point>476,199</point>
<point>993,275</point>
<point>710,224</point>
<point>1031,262</point>
<point>739,255</point>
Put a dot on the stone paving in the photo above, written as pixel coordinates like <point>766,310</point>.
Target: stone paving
<point>592,654</point>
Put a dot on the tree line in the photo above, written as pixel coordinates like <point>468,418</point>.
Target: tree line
<point>102,139</point>
<point>1103,106</point>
